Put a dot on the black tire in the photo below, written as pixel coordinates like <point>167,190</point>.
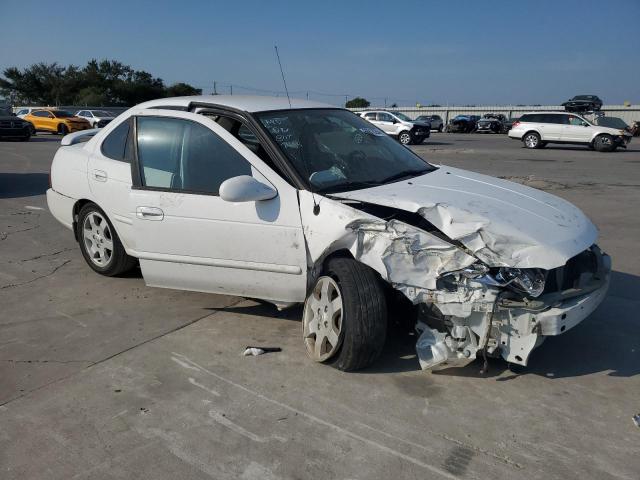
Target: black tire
<point>365,314</point>
<point>26,138</point>
<point>119,261</point>
<point>440,128</point>
<point>63,129</point>
<point>404,138</point>
<point>531,140</point>
<point>604,143</point>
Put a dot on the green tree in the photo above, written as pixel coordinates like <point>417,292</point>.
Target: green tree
<point>103,83</point>
<point>182,90</point>
<point>357,102</point>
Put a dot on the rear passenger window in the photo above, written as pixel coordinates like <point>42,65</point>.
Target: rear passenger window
<point>115,145</point>
<point>370,116</point>
<point>185,156</point>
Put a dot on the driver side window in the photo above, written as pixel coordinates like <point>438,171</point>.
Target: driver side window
<point>385,117</point>
<point>181,155</point>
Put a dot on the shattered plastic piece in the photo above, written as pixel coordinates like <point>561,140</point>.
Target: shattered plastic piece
<point>636,419</point>
<point>255,351</point>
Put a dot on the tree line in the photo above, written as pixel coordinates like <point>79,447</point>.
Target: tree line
<point>99,83</point>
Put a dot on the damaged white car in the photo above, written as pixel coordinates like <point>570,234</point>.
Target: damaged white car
<point>304,202</point>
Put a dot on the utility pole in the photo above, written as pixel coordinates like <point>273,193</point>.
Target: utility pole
<point>307,95</point>
<point>346,99</point>
<point>385,102</point>
<point>231,89</point>
<point>215,87</point>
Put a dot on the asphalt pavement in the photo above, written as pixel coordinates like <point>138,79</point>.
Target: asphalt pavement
<point>105,378</point>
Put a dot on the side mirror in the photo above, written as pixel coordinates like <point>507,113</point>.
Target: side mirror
<point>245,188</point>
<point>585,124</point>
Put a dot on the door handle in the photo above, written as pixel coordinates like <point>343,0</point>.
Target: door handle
<point>149,213</point>
<point>100,175</point>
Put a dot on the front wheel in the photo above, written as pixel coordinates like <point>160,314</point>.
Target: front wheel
<point>63,129</point>
<point>404,138</point>
<point>531,140</point>
<point>440,128</point>
<point>345,316</point>
<point>100,244</point>
<point>604,143</point>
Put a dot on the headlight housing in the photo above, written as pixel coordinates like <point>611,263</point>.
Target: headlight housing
<point>528,280</point>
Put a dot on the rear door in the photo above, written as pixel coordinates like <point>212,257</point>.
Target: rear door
<point>188,237</point>
<point>552,126</point>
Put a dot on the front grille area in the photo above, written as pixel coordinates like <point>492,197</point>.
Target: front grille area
<point>574,273</point>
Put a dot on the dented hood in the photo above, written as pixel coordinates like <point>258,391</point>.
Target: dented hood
<point>501,222</point>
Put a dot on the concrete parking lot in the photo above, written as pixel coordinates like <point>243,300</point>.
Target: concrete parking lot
<point>106,378</point>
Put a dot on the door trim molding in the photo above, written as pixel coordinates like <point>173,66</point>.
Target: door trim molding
<point>219,262</point>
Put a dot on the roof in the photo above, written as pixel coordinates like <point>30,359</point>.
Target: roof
<point>247,103</point>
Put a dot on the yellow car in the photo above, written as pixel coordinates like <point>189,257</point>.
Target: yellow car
<point>56,121</point>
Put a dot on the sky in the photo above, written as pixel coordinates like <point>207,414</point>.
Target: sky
<point>450,53</point>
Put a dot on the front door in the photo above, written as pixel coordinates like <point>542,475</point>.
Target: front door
<point>552,126</point>
<point>188,237</point>
<point>575,130</point>
<point>385,123</point>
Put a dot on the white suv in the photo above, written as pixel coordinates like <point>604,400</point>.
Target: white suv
<point>536,129</point>
<point>398,125</point>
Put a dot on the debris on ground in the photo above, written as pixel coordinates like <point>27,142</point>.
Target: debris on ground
<point>255,351</point>
<point>636,419</point>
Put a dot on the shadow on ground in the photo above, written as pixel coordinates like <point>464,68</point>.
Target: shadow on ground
<point>15,185</point>
<point>607,341</point>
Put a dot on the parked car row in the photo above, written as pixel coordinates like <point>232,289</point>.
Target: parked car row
<point>29,120</point>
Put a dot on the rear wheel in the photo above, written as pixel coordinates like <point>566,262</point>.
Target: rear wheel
<point>604,143</point>
<point>345,316</point>
<point>26,137</point>
<point>404,138</point>
<point>99,242</point>
<point>63,129</point>
<point>440,128</point>
<point>531,140</point>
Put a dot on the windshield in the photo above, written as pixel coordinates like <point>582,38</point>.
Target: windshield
<point>62,114</point>
<point>336,151</point>
<point>611,122</point>
<point>402,116</point>
<point>101,113</point>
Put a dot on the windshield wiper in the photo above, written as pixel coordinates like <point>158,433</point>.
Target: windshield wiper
<point>348,186</point>
<point>404,174</point>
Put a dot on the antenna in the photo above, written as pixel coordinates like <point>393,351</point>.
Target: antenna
<point>282,72</point>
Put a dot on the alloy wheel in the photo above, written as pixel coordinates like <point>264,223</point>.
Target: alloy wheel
<point>531,141</point>
<point>97,238</point>
<point>405,138</point>
<point>322,320</point>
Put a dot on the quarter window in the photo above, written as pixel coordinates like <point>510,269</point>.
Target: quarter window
<point>185,156</point>
<point>370,116</point>
<point>117,145</point>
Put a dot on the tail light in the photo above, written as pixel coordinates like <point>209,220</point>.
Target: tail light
<point>515,124</point>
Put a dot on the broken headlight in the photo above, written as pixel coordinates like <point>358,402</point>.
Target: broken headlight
<point>527,280</point>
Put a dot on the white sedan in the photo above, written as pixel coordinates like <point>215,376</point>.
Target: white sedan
<point>97,118</point>
<point>304,202</point>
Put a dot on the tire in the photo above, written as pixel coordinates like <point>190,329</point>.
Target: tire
<point>604,143</point>
<point>404,138</point>
<point>345,324</point>
<point>26,138</point>
<point>542,144</point>
<point>100,244</point>
<point>62,129</point>
<point>531,140</point>
<point>440,128</point>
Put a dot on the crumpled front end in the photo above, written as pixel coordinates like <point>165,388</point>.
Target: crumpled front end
<point>503,321</point>
<point>473,287</point>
